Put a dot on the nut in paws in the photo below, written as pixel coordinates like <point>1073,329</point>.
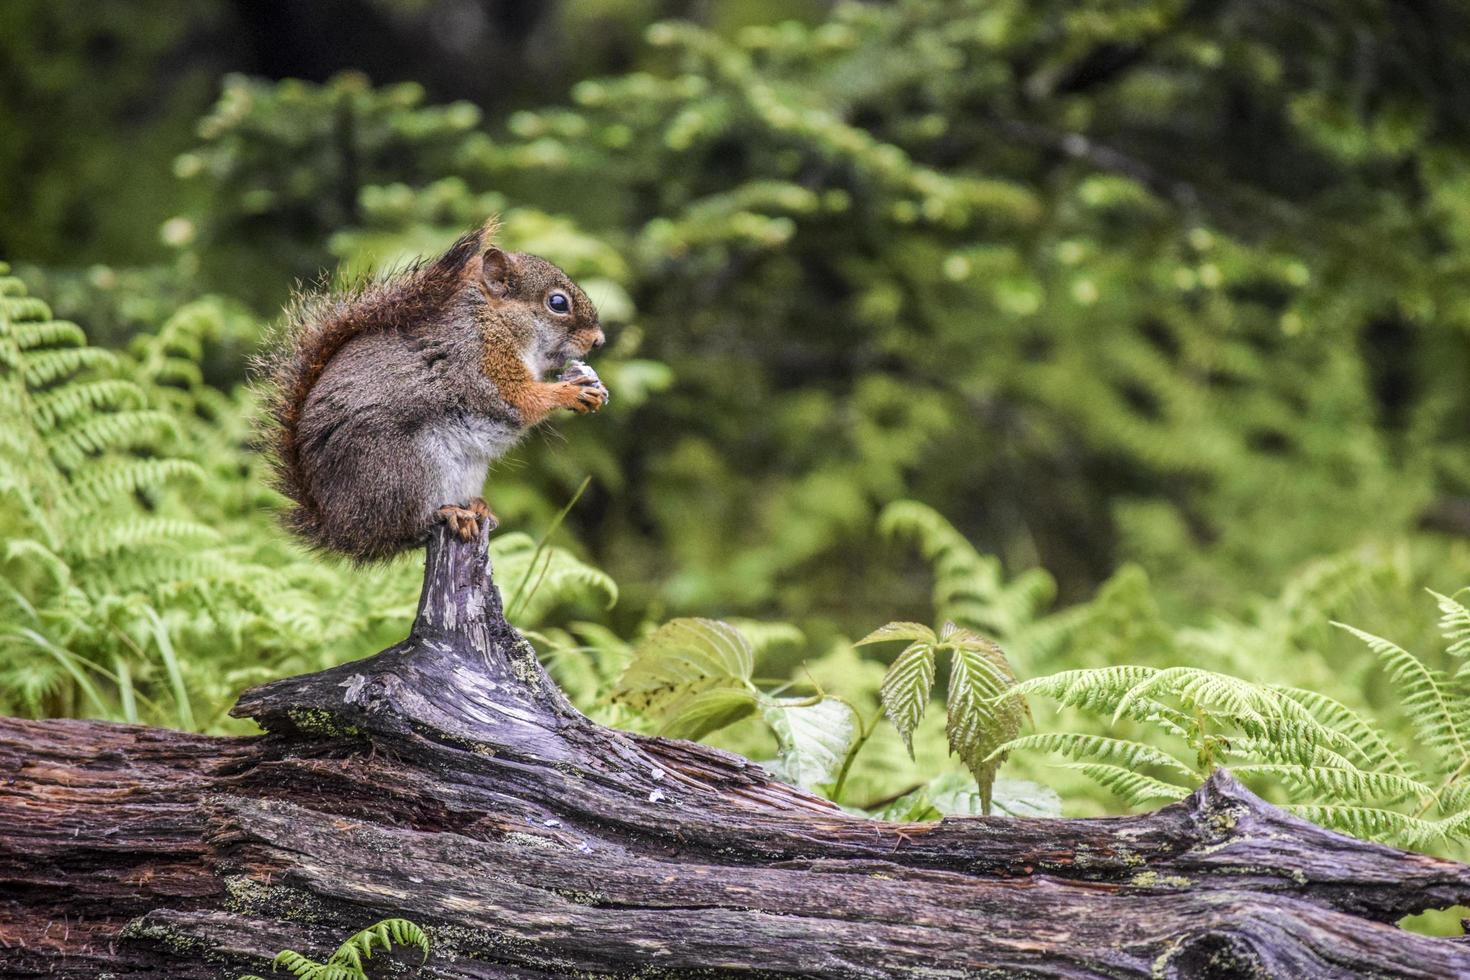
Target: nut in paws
<point>593,394</point>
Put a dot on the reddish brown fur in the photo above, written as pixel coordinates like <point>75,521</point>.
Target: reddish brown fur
<point>424,304</point>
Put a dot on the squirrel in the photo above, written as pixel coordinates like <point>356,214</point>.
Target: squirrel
<point>385,405</point>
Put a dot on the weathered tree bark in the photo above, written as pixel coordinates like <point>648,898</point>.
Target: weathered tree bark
<point>447,780</point>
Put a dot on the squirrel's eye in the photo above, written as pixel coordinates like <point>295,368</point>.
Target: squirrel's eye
<point>559,302</point>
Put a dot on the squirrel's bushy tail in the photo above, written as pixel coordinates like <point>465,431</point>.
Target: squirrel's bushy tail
<point>316,326</point>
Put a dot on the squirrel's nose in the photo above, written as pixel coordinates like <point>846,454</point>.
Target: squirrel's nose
<point>599,338</point>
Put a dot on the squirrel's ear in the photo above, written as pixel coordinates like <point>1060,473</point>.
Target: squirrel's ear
<point>497,272</point>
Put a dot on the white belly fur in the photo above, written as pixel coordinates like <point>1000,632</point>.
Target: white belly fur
<point>460,452</point>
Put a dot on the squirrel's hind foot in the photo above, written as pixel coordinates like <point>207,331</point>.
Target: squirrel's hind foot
<point>465,521</point>
<point>479,508</point>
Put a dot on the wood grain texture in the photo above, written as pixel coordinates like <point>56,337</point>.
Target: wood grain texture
<point>448,780</point>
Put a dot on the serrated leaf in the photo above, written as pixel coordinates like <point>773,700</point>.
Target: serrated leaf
<point>899,631</point>
<point>906,689</point>
<point>980,720</point>
<point>813,737</point>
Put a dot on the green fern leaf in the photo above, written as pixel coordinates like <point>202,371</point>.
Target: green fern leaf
<point>1077,745</point>
<point>108,481</point>
<point>1372,823</point>
<point>1101,689</point>
<point>1133,788</point>
<point>114,430</point>
<point>1362,740</point>
<point>1424,694</point>
<point>45,332</point>
<point>43,367</point>
<point>1454,624</point>
<point>137,534</point>
<point>80,399</point>
<point>1340,783</point>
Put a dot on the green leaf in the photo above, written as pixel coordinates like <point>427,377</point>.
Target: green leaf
<point>1024,798</point>
<point>1133,788</point>
<point>1454,624</point>
<point>906,689</point>
<point>681,660</point>
<point>814,737</point>
<point>981,718</point>
<point>1423,693</point>
<point>899,631</point>
<point>710,711</point>
<point>1099,748</point>
<point>1340,783</point>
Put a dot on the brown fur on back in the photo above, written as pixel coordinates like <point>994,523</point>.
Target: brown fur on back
<point>318,326</point>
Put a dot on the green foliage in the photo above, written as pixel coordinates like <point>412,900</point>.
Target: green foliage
<point>1084,322</point>
<point>954,795</point>
<point>980,716</point>
<point>347,963</point>
<point>1334,765</point>
<point>1159,307</point>
<point>142,577</point>
<point>692,677</point>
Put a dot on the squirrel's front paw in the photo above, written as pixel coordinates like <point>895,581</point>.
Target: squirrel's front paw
<point>585,390</point>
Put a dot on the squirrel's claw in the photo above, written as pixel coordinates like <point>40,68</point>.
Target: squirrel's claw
<point>587,390</point>
<point>590,398</point>
<point>463,521</point>
<point>480,509</point>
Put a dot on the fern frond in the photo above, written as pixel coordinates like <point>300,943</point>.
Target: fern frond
<point>20,308</point>
<point>1454,624</point>
<point>136,534</point>
<point>1101,689</point>
<point>305,968</point>
<point>42,331</point>
<point>1081,746</point>
<point>43,367</point>
<point>1361,739</point>
<point>1338,782</point>
<point>113,430</point>
<point>1424,695</point>
<point>1372,823</point>
<point>969,588</point>
<point>80,399</point>
<point>1133,788</point>
<point>385,934</point>
<point>107,481</point>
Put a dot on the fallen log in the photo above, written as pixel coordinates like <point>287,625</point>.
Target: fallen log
<point>448,781</point>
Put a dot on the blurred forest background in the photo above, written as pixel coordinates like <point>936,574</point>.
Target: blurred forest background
<point>1125,332</point>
